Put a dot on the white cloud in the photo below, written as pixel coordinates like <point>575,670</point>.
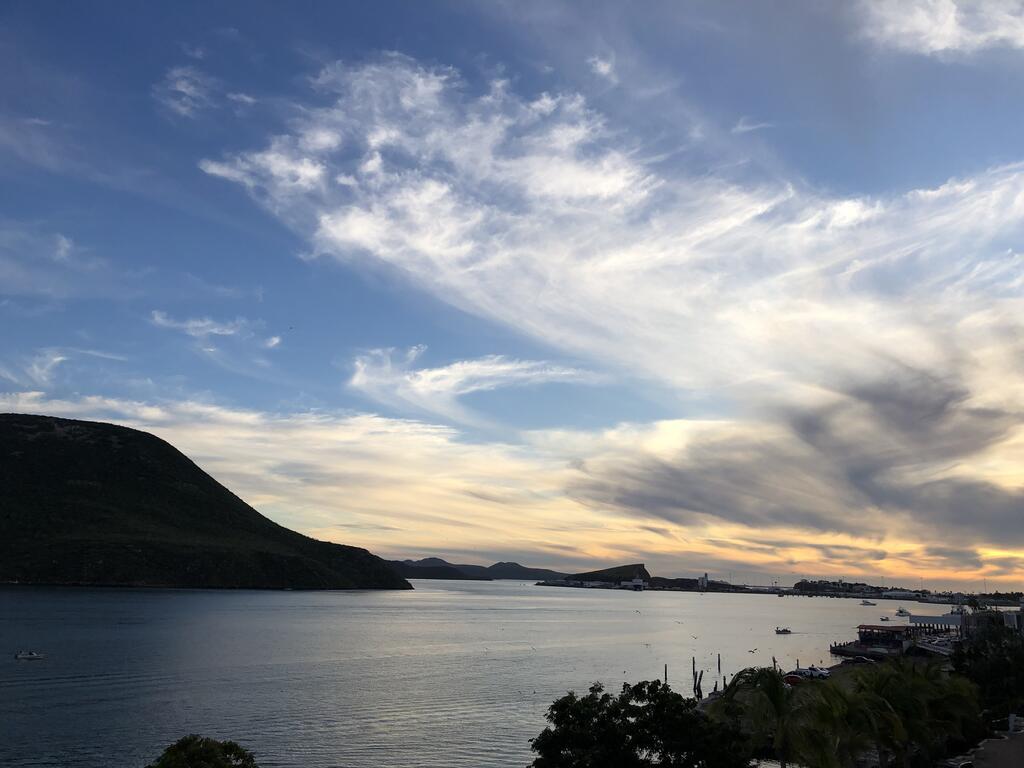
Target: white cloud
<point>41,368</point>
<point>201,327</point>
<point>52,265</point>
<point>186,91</point>
<point>436,390</point>
<point>770,296</point>
<point>241,98</point>
<point>603,67</point>
<point>272,342</point>
<point>746,125</point>
<point>280,166</point>
<point>255,292</point>
<point>64,247</point>
<point>530,211</point>
<point>935,27</point>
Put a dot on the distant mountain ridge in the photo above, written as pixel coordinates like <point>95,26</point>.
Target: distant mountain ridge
<point>91,503</point>
<point>436,568</point>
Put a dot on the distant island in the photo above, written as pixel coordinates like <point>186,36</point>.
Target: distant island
<point>637,577</point>
<point>436,568</point>
<point>88,503</point>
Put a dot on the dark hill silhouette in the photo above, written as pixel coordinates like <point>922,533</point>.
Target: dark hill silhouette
<point>91,503</point>
<point>412,569</point>
<point>436,568</point>
<point>619,573</point>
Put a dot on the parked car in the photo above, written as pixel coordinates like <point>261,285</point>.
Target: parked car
<point>810,673</point>
<point>857,660</point>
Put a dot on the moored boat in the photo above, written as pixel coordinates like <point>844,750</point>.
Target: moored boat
<point>29,656</point>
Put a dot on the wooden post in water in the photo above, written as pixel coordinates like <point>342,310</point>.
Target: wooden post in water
<point>666,674</point>
<point>719,663</point>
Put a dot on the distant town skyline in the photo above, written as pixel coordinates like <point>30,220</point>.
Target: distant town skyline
<point>720,287</point>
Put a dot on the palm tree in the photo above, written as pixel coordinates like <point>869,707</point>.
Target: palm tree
<point>837,727</point>
<point>912,707</point>
<point>896,698</point>
<point>776,713</point>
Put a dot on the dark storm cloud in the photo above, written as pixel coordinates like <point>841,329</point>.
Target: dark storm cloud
<point>838,554</point>
<point>1003,566</point>
<point>954,557</point>
<point>857,466</point>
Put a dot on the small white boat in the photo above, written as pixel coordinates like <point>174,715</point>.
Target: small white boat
<point>867,602</point>
<point>902,611</point>
<point>885,618</point>
<point>783,631</point>
<point>29,656</point>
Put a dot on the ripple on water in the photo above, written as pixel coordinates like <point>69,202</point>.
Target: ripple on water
<point>453,675</point>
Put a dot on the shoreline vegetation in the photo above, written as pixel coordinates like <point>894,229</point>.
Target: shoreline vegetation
<point>904,713</point>
<point>617,578</point>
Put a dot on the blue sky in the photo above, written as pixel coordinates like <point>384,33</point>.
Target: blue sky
<point>720,286</point>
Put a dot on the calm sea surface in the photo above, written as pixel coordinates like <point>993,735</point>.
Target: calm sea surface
<point>451,675</point>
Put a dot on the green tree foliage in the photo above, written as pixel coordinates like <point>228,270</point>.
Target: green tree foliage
<point>908,712</point>
<point>646,726</point>
<point>917,712</point>
<point>774,713</point>
<point>202,752</point>
<point>994,661</point>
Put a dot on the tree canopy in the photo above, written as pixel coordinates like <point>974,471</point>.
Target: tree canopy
<point>647,725</point>
<point>994,661</point>
<point>201,752</point>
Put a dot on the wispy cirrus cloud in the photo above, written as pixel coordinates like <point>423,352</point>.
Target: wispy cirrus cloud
<point>43,366</point>
<point>531,212</point>
<point>40,369</point>
<point>196,52</point>
<point>187,90</point>
<point>237,345</point>
<point>746,125</point>
<point>603,67</point>
<point>392,379</point>
<point>200,327</point>
<point>51,265</point>
<point>225,291</point>
<point>942,27</point>
<point>809,314</point>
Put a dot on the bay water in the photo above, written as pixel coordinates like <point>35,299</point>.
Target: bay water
<point>456,674</point>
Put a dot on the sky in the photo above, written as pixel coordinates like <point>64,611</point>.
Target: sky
<point>720,287</point>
